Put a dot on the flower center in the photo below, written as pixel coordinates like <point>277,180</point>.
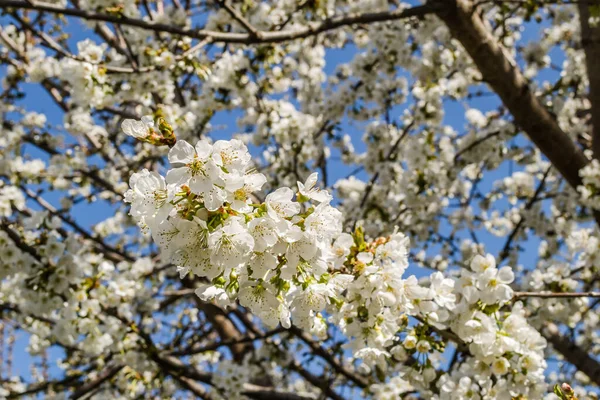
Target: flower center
<point>227,157</point>
<point>160,197</point>
<point>196,167</point>
<point>241,194</point>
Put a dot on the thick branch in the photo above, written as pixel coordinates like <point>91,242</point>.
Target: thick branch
<point>106,375</point>
<point>580,358</point>
<point>504,77</point>
<point>193,386</point>
<point>267,393</point>
<point>590,41</point>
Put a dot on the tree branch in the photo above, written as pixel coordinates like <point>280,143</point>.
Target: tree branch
<point>590,41</point>
<point>106,375</point>
<point>580,358</point>
<point>554,295</point>
<point>504,76</point>
<point>242,38</point>
<point>235,14</point>
<point>325,355</point>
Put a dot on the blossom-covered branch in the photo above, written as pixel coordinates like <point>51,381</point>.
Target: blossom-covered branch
<point>248,38</point>
<point>164,231</point>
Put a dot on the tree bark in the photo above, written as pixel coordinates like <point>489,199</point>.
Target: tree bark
<point>590,41</point>
<point>503,75</point>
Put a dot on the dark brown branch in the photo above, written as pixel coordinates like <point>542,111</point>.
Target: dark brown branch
<point>226,329</point>
<point>590,41</point>
<point>235,14</point>
<point>106,375</point>
<point>192,386</point>
<point>267,393</point>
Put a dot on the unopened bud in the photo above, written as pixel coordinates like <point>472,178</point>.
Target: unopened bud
<point>567,389</point>
<point>145,131</point>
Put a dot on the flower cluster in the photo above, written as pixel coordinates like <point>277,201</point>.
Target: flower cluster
<point>590,188</point>
<point>277,257</point>
<point>379,297</point>
<point>286,259</point>
<point>502,344</point>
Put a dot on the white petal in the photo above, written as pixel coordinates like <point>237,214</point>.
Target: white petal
<point>178,176</point>
<point>181,153</point>
<point>506,275</point>
<point>203,149</point>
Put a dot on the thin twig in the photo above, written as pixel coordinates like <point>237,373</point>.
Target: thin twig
<point>240,18</point>
<point>555,295</point>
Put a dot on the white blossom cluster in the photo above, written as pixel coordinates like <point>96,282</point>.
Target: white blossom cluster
<point>503,344</point>
<point>590,188</point>
<point>275,256</point>
<point>287,260</point>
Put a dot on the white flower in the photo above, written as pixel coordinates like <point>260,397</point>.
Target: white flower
<point>494,283</point>
<point>468,288</point>
<point>365,257</point>
<point>195,260</point>
<point>399,353</point>
<point>231,244</point>
<point>261,263</point>
<point>500,366</point>
<point>138,129</point>
<point>476,118</point>
<point>194,167</point>
<point>441,289</point>
<point>480,263</point>
<point>149,195</point>
<point>324,223</point>
<point>423,346</point>
<point>410,342</point>
<point>265,232</point>
<point>313,298</point>
<point>214,198</point>
<point>261,300</point>
<point>174,233</point>
<point>210,292</point>
<point>232,155</point>
<point>309,190</point>
<point>341,249</point>
<point>185,244</point>
<point>238,192</point>
<point>302,247</point>
<point>394,252</point>
<point>280,205</point>
<point>373,357</point>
